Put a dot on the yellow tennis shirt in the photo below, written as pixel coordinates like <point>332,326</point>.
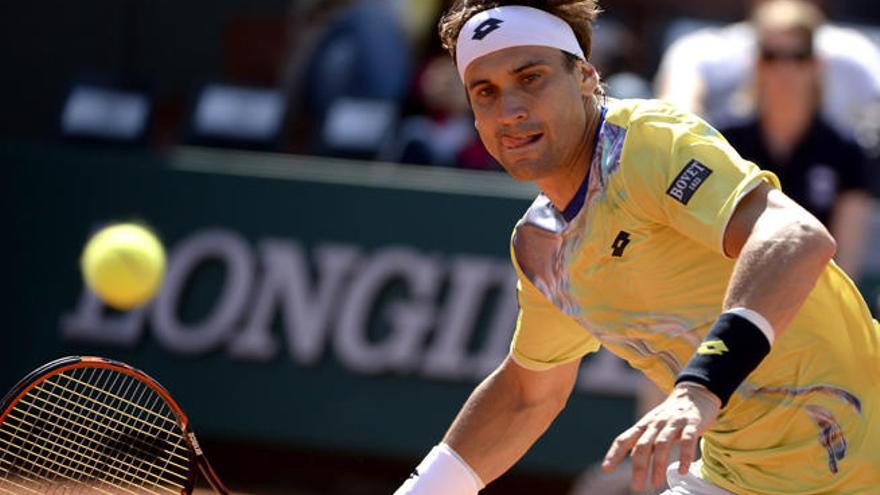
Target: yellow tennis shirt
<point>640,270</point>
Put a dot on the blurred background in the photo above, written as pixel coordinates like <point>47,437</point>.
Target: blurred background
<point>337,235</point>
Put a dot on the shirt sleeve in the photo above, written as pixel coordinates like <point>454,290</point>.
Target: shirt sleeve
<point>681,172</point>
<point>545,336</point>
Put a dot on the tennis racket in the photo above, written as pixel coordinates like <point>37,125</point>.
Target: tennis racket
<point>89,425</point>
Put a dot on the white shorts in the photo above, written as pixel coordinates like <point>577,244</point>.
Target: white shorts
<point>690,483</point>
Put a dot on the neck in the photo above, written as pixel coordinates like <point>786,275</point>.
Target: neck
<point>783,130</point>
<point>561,188</point>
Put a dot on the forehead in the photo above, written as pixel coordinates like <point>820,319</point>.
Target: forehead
<point>783,38</point>
<point>503,62</point>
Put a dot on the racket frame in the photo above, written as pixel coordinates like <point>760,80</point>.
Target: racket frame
<point>58,366</point>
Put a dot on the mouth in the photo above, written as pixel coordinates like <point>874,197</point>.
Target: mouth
<point>520,142</point>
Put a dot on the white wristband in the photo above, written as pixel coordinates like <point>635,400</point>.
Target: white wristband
<point>756,319</point>
<point>442,472</point>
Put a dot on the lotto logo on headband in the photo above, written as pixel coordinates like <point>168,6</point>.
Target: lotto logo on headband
<point>523,26</point>
<point>486,27</point>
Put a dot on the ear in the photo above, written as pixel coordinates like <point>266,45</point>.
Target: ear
<point>588,78</point>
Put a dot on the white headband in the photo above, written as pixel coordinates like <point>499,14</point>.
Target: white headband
<point>509,26</point>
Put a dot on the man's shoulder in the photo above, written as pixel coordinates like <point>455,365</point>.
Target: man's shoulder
<point>543,215</point>
<point>828,135</point>
<point>840,41</point>
<point>635,112</point>
<point>745,130</point>
<point>536,236</point>
<point>824,139</point>
<point>652,127</point>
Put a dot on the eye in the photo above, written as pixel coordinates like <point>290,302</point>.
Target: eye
<point>485,91</point>
<point>531,77</point>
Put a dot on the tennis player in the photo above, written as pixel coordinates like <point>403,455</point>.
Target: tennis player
<point>654,239</point>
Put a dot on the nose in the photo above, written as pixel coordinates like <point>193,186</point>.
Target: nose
<point>513,108</point>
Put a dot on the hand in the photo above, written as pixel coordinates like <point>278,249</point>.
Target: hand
<point>688,412</point>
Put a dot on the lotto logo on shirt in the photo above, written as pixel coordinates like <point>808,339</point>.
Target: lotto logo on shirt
<point>688,181</point>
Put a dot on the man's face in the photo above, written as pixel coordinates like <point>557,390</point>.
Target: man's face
<point>530,109</point>
<point>788,72</point>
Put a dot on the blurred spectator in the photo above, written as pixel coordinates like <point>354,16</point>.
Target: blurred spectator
<point>443,132</point>
<point>819,168</point>
<point>353,52</point>
<point>864,10</point>
<point>615,52</point>
<point>419,20</point>
<point>702,71</point>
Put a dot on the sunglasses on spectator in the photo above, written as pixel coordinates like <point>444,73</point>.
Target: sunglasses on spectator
<point>769,55</point>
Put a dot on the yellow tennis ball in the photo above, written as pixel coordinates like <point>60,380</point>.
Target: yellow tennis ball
<point>124,264</point>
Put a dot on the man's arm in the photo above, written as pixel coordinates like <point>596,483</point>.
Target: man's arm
<point>500,421</point>
<point>781,251</point>
<point>507,413</point>
<point>850,225</point>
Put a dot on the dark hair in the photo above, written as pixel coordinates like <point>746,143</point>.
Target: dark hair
<point>579,14</point>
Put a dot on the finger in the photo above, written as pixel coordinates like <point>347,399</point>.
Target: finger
<point>688,448</point>
<point>620,446</point>
<point>641,456</point>
<point>663,446</point>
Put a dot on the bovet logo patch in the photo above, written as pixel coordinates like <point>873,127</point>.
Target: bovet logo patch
<point>688,181</point>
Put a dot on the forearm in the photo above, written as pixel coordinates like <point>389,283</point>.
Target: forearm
<point>779,264</point>
<point>780,250</point>
<point>501,419</point>
<point>849,225</point>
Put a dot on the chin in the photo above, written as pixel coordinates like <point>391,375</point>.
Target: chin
<point>525,170</point>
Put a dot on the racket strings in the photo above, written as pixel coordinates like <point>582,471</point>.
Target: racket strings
<point>92,430</point>
<point>74,473</point>
<point>111,423</point>
<point>87,444</point>
<point>112,447</point>
<point>96,406</point>
<point>100,434</point>
<point>81,470</point>
<point>107,423</point>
